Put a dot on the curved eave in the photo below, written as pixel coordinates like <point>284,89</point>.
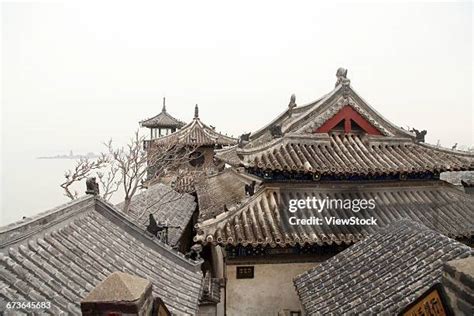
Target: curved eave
<point>218,138</point>
<point>381,118</point>
<point>152,125</point>
<point>460,153</point>
<point>162,120</point>
<point>348,155</point>
<point>197,133</point>
<point>243,225</point>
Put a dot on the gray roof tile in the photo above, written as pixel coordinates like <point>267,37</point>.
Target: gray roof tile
<point>263,218</point>
<point>166,205</point>
<point>163,119</point>
<point>382,274</point>
<point>348,155</point>
<point>71,249</point>
<point>196,133</point>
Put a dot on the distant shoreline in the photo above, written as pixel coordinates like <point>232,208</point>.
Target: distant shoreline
<point>88,155</point>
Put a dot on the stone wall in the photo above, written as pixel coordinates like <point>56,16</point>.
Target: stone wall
<point>268,293</point>
<point>458,283</point>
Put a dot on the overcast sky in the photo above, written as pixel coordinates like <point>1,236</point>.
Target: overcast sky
<point>75,75</point>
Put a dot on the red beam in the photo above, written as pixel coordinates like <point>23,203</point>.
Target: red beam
<point>348,114</point>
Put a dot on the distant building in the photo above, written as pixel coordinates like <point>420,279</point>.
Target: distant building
<point>202,138</point>
<point>162,124</point>
<point>336,148</point>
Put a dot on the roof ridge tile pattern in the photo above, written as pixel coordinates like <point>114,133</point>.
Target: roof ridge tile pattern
<point>166,205</point>
<point>64,264</point>
<point>380,275</point>
<point>196,133</point>
<point>350,154</point>
<point>262,219</point>
<point>163,119</point>
<point>225,188</point>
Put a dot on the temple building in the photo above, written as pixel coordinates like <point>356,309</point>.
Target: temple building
<point>336,149</point>
<point>202,140</point>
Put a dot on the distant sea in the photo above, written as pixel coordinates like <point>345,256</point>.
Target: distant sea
<point>31,185</point>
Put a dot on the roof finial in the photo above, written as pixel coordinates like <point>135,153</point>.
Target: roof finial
<point>341,75</point>
<point>196,111</point>
<point>292,103</point>
<point>92,187</point>
<point>164,105</point>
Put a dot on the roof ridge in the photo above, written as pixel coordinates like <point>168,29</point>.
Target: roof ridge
<point>239,208</point>
<point>210,129</point>
<point>163,114</point>
<point>46,221</point>
<point>448,150</point>
<point>399,129</point>
<point>19,230</point>
<point>433,247</point>
<point>133,226</point>
<point>310,105</point>
<point>196,123</point>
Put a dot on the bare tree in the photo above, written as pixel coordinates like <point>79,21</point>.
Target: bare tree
<point>110,182</point>
<point>133,165</point>
<point>135,162</point>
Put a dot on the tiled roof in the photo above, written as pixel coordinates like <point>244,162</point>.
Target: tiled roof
<point>348,154</point>
<point>163,119</point>
<point>166,205</point>
<point>380,275</point>
<point>225,188</point>
<point>196,133</point>
<point>61,255</point>
<point>306,119</point>
<point>263,218</point>
<point>294,143</point>
<point>229,155</point>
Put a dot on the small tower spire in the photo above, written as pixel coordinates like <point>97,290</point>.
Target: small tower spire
<point>164,105</point>
<point>196,111</point>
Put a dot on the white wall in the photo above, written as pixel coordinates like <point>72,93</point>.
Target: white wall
<point>270,291</point>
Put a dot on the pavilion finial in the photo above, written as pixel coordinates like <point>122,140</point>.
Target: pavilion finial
<point>164,105</point>
<point>196,111</point>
